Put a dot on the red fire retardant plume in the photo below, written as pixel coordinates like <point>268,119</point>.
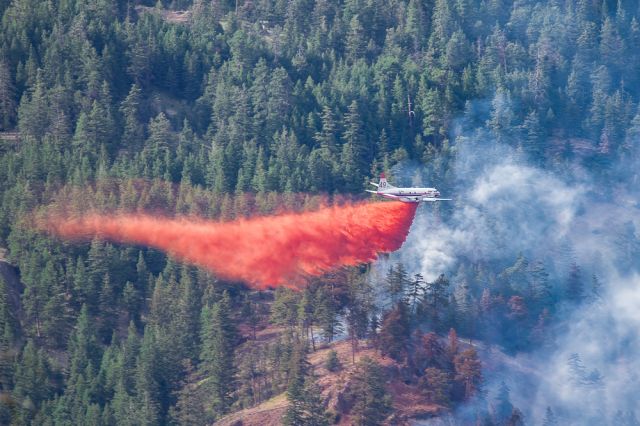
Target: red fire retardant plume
<point>261,251</point>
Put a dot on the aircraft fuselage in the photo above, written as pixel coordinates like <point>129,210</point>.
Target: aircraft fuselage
<point>407,195</point>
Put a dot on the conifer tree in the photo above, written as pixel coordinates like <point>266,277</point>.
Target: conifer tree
<point>189,409</point>
<point>394,332</point>
<point>550,418</point>
<point>435,301</point>
<point>468,371</point>
<point>148,386</point>
<point>7,97</point>
<point>397,282</point>
<point>503,408</point>
<point>436,384</point>
<point>219,338</point>
<point>372,403</point>
<point>108,314</point>
<point>32,381</point>
<point>133,132</point>
<point>33,113</point>
<point>575,286</point>
<point>326,313</point>
<point>354,154</point>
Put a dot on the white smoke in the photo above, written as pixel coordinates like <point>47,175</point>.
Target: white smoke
<point>500,209</point>
<point>504,206</point>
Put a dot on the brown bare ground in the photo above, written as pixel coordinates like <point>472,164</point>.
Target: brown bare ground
<point>408,401</point>
<point>172,16</point>
<point>269,413</point>
<point>13,137</point>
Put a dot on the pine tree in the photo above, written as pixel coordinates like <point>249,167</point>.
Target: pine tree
<point>502,115</point>
<point>468,371</point>
<point>33,113</point>
<point>284,311</point>
<point>97,268</point>
<point>187,321</point>
<point>133,132</point>
<point>533,135</point>
<point>157,146</point>
<point>394,332</point>
<point>372,403</point>
<point>397,283</point>
<point>84,351</point>
<point>452,343</point>
<point>305,407</point>
<point>326,314</point>
<point>332,363</point>
<point>503,408</point>
<point>355,44</point>
<point>354,154</point>
<point>436,383</point>
<point>575,286</point>
<point>148,386</point>
<point>416,24</point>
<point>189,409</point>
<point>57,315</point>
<point>128,358</point>
<point>435,301</point>
<point>7,318</point>
<point>7,97</point>
<point>539,287</point>
<point>32,383</point>
<point>108,314</point>
<point>359,308</point>
<point>414,293</point>
<point>326,138</point>
<point>217,353</point>
<point>298,371</point>
<point>7,359</point>
<point>516,418</point>
<point>550,418</point>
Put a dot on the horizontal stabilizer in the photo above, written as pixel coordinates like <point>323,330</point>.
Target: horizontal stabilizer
<point>436,199</point>
<point>374,184</point>
<point>373,192</point>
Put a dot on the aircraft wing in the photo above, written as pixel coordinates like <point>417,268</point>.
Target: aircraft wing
<point>435,199</point>
<point>394,197</point>
<point>382,194</point>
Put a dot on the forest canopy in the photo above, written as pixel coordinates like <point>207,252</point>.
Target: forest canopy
<point>219,109</point>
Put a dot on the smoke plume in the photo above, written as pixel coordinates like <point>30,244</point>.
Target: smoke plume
<point>262,251</point>
<point>586,369</point>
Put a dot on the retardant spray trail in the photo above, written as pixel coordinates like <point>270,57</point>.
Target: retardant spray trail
<point>262,251</point>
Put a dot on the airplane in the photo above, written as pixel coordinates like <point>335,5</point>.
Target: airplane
<point>406,195</point>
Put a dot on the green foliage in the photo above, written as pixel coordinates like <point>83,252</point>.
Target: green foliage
<point>305,406</point>
<point>332,363</point>
<point>97,99</point>
<point>437,385</point>
<point>394,332</point>
<point>468,371</point>
<point>372,403</point>
<point>219,338</point>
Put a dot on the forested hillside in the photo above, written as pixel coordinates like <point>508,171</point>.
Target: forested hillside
<point>224,109</point>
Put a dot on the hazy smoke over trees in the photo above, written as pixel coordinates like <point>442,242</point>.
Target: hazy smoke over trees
<point>561,220</point>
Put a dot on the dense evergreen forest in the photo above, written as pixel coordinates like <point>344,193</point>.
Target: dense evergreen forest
<point>221,109</point>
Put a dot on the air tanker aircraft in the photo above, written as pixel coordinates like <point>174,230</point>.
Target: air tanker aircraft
<point>406,195</point>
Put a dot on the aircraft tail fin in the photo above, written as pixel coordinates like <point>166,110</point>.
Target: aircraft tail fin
<point>383,184</point>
